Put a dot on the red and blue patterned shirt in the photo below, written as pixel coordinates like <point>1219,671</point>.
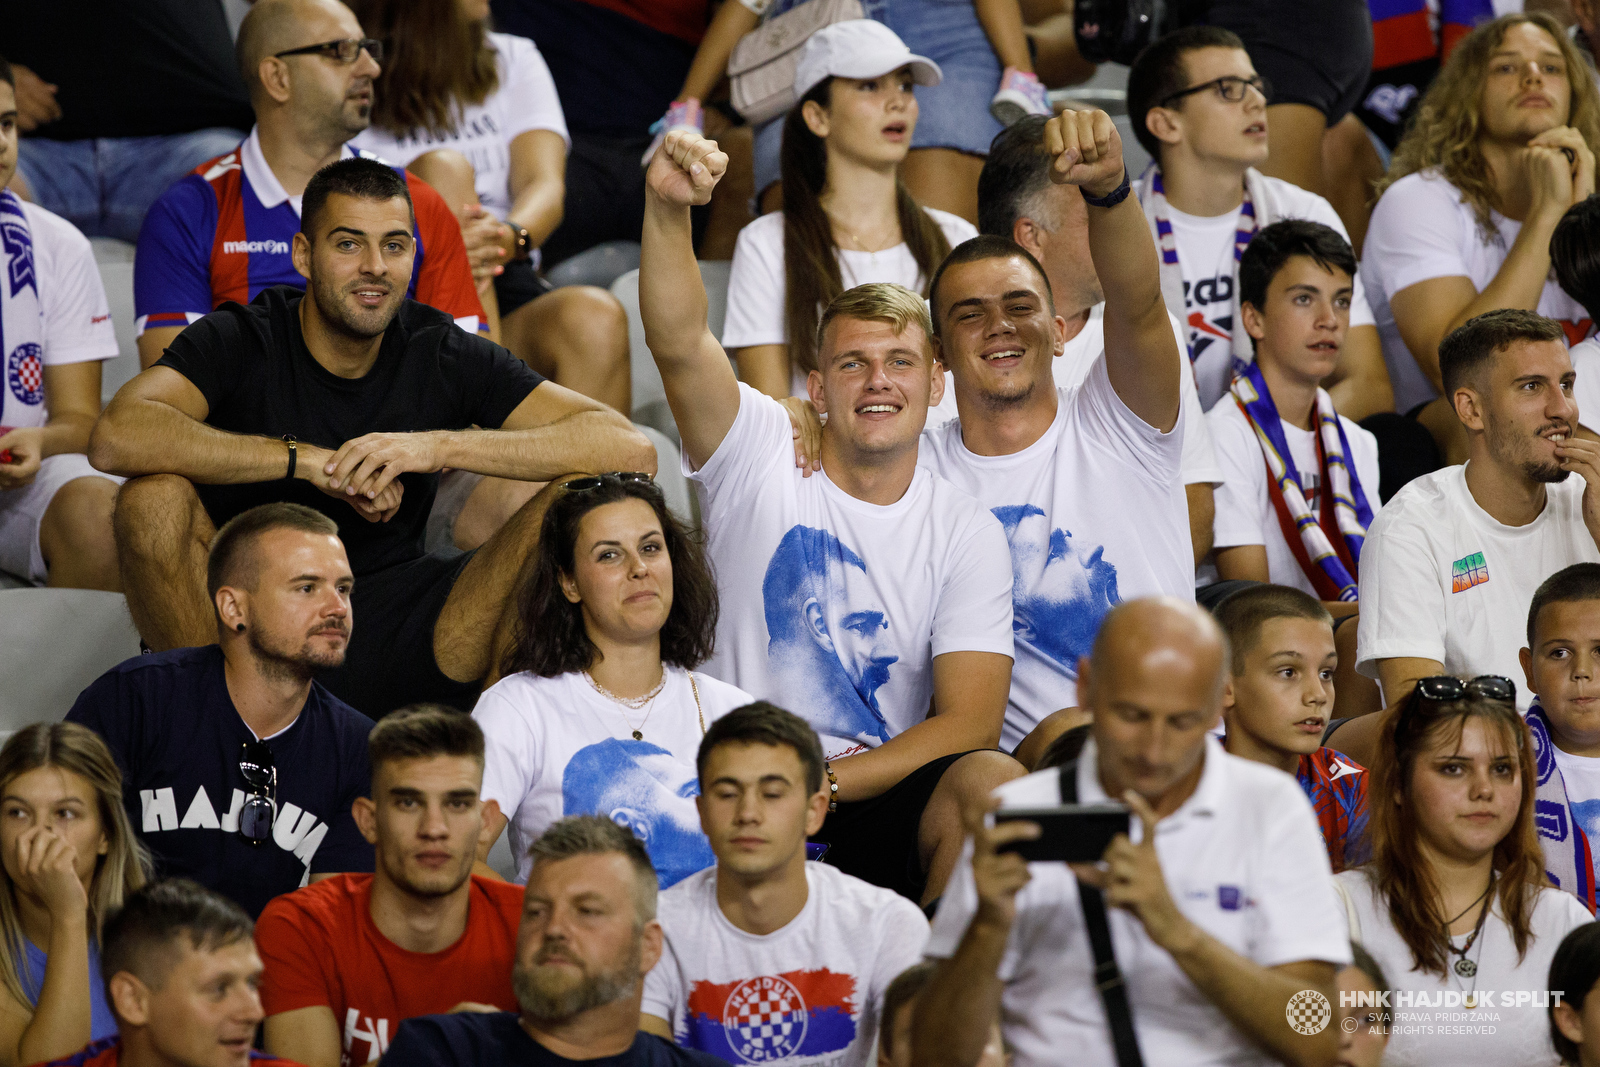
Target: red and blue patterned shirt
<point>106,1052</point>
<point>224,232</point>
<point>1337,786</point>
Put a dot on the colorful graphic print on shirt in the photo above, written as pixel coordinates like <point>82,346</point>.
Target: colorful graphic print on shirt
<point>650,791</point>
<point>1467,572</point>
<point>827,633</point>
<point>1208,305</point>
<point>788,1017</point>
<point>1061,591</point>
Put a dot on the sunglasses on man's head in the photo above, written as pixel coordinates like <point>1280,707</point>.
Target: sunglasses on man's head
<point>345,51</point>
<point>261,774</point>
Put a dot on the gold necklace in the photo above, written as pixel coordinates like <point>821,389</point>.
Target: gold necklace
<point>861,245</point>
<point>631,702</point>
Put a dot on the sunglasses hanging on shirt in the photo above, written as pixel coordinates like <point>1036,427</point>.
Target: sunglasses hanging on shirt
<point>261,774</point>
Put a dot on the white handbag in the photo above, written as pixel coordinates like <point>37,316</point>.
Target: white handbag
<point>761,68</point>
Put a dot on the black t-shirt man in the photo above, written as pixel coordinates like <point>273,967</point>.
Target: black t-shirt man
<point>471,1039</point>
<point>176,736</point>
<point>251,364</point>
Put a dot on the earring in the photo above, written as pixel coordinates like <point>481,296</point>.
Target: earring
<point>240,627</point>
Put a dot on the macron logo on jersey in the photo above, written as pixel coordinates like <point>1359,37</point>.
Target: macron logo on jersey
<point>251,248</point>
<point>1341,769</point>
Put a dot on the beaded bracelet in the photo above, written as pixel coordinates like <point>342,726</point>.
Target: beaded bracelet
<point>833,786</point>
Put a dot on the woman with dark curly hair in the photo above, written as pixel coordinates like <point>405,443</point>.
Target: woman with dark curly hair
<point>600,710</point>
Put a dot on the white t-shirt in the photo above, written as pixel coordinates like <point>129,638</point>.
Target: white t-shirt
<point>1586,388</point>
<point>1501,1035</point>
<point>1581,776</point>
<point>1094,513</point>
<point>1442,580</point>
<point>805,995</point>
<point>1071,367</point>
<point>525,100</point>
<point>836,608</point>
<point>1245,515</point>
<point>555,747</point>
<point>1210,275</point>
<point>72,303</point>
<point>756,286</point>
<point>1420,230</point>
<point>1243,860</point>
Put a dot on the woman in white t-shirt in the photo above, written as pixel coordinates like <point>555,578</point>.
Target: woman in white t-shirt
<point>1503,145</point>
<point>604,714</point>
<point>448,83</point>
<point>1454,903</point>
<point>847,218</point>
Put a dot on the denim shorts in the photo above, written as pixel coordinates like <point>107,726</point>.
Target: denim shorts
<point>954,113</point>
<point>104,187</point>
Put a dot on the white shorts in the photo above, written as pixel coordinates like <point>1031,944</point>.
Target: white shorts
<point>22,510</point>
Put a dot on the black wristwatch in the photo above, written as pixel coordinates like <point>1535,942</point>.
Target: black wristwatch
<point>1111,199</point>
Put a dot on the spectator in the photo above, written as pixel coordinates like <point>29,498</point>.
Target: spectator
<point>455,87</point>
<point>1501,147</point>
<point>1574,258</point>
<point>619,609</point>
<point>1276,704</point>
<point>1200,109</point>
<point>764,925</point>
<point>1558,665</point>
<point>384,400</point>
<point>1452,901</point>
<point>1451,562</point>
<point>1041,458</point>
<point>55,509</point>
<point>228,747</point>
<point>351,957</point>
<point>180,973</point>
<point>69,859</point>
<point>225,231</point>
<point>588,938</point>
<point>1362,1043</point>
<point>1576,967</point>
<point>847,218</point>
<point>884,606</point>
<point>1585,27</point>
<point>1209,958</point>
<point>118,101</point>
<point>1299,479</point>
<point>1017,200</point>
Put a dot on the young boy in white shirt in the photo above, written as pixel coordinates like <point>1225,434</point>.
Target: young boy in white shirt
<point>1200,109</point>
<point>768,958</point>
<point>1276,702</point>
<point>1560,666</point>
<point>1300,480</point>
<point>55,329</point>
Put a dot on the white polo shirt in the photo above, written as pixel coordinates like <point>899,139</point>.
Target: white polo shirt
<point>1243,860</point>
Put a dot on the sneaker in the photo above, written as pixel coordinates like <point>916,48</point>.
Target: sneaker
<point>680,116</point>
<point>1021,94</point>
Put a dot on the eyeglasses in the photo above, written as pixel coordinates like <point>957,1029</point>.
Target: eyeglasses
<point>261,774</point>
<point>345,51</point>
<point>595,481</point>
<point>1230,87</point>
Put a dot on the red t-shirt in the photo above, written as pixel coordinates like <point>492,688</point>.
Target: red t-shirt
<point>321,947</point>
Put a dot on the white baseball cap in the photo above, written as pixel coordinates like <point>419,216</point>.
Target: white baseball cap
<point>858,48</point>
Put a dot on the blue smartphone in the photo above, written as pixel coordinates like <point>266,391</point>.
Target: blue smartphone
<point>815,850</point>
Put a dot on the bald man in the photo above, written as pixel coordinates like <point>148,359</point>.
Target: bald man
<point>1219,919</point>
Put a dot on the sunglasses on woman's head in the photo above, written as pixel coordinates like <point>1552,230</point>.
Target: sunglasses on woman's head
<point>595,481</point>
<point>1446,689</point>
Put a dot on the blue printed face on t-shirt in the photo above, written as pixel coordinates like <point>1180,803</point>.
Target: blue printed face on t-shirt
<point>828,633</point>
<point>650,791</point>
<point>1063,590</point>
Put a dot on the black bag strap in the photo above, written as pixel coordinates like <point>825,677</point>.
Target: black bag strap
<point>1107,976</point>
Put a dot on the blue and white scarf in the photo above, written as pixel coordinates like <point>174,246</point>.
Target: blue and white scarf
<point>21,320</point>
<point>1568,861</point>
<point>1329,549</point>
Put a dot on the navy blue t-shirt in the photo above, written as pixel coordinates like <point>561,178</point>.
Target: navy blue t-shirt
<point>470,1039</point>
<point>175,733</point>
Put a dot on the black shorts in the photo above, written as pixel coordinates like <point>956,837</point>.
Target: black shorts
<point>390,661</point>
<point>605,196</point>
<point>1318,54</point>
<point>517,285</point>
<point>876,840</point>
<point>1211,596</point>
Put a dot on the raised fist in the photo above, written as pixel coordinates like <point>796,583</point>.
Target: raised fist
<point>685,169</point>
<point>1087,151</point>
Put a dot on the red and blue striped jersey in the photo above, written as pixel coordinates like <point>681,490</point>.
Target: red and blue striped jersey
<point>1337,786</point>
<point>224,232</point>
<point>1405,31</point>
<point>106,1052</point>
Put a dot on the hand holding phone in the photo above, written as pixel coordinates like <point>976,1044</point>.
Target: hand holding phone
<point>1068,833</point>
